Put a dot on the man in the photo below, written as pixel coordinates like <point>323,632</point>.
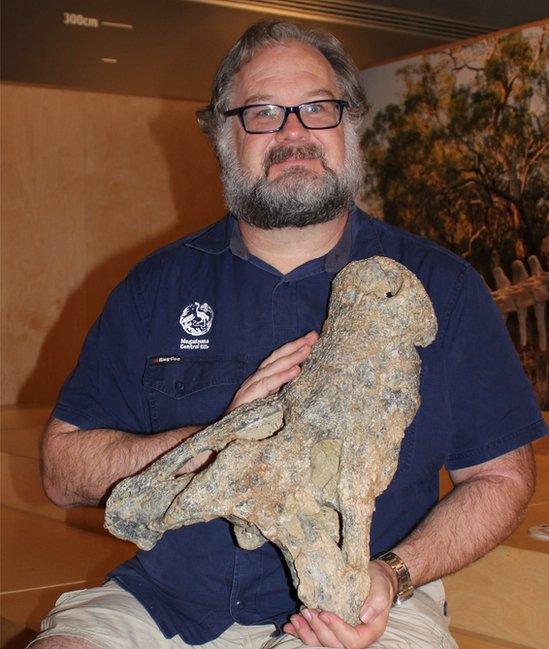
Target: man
<point>178,337</point>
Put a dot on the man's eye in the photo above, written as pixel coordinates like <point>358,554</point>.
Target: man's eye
<point>266,112</point>
<point>314,109</point>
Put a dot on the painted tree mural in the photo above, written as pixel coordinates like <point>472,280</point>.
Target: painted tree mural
<point>463,159</point>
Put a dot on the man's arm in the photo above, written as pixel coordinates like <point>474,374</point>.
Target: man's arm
<point>80,467</point>
<point>486,505</point>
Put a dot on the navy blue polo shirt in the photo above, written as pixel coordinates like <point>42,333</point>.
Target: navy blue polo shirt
<point>192,321</point>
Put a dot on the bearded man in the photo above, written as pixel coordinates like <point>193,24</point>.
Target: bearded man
<point>177,339</point>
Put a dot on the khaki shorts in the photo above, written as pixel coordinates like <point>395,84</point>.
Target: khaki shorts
<point>110,618</point>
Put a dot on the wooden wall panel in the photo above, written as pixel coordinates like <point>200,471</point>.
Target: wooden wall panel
<point>91,183</point>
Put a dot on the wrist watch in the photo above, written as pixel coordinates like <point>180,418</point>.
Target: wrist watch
<point>405,590</point>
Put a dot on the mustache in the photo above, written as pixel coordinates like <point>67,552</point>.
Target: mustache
<point>302,152</point>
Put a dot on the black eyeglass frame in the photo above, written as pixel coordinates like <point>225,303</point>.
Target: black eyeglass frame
<point>287,111</point>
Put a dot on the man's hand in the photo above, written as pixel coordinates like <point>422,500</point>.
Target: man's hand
<point>325,629</point>
<point>283,365</point>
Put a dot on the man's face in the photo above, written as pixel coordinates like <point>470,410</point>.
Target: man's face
<point>288,75</point>
<point>297,176</point>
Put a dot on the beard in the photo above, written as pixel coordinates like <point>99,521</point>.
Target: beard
<point>299,196</point>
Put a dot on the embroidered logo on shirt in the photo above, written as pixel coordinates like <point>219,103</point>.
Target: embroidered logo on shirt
<point>196,320</point>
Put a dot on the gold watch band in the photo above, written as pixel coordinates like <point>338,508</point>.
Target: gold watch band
<point>405,589</point>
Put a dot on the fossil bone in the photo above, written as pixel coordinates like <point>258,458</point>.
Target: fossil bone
<point>303,468</point>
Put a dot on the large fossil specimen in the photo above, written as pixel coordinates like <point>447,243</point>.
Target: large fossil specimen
<point>303,468</point>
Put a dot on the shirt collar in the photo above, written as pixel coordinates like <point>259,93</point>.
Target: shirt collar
<point>225,234</point>
<point>333,261</point>
<point>213,240</point>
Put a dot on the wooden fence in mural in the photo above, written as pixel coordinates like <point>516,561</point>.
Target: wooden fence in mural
<point>525,290</point>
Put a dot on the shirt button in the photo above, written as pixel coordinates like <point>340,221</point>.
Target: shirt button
<point>239,605</point>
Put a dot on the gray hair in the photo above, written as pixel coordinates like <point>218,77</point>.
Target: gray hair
<point>272,32</point>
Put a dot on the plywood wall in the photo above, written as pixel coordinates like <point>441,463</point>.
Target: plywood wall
<point>90,184</point>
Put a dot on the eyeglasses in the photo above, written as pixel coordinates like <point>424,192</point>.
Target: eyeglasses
<point>270,118</point>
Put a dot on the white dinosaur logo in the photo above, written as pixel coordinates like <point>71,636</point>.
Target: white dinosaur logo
<point>197,318</point>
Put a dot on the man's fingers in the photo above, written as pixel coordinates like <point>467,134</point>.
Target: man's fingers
<point>347,635</point>
<point>291,347</point>
<point>279,368</point>
<point>315,628</point>
<point>270,384</point>
<point>284,362</point>
<point>322,631</point>
<point>304,631</point>
<point>263,387</point>
<point>353,637</point>
<point>289,628</point>
<point>329,630</point>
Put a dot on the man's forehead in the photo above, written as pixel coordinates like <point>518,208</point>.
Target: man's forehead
<point>279,66</point>
<point>266,98</point>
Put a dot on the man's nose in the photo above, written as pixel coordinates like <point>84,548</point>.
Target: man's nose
<point>292,130</point>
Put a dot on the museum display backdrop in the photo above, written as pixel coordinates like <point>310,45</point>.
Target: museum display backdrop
<point>458,151</point>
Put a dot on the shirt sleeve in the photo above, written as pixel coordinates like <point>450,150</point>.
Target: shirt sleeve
<point>492,404</point>
<point>104,390</point>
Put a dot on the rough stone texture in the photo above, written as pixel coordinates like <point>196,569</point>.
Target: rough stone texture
<point>303,468</point>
